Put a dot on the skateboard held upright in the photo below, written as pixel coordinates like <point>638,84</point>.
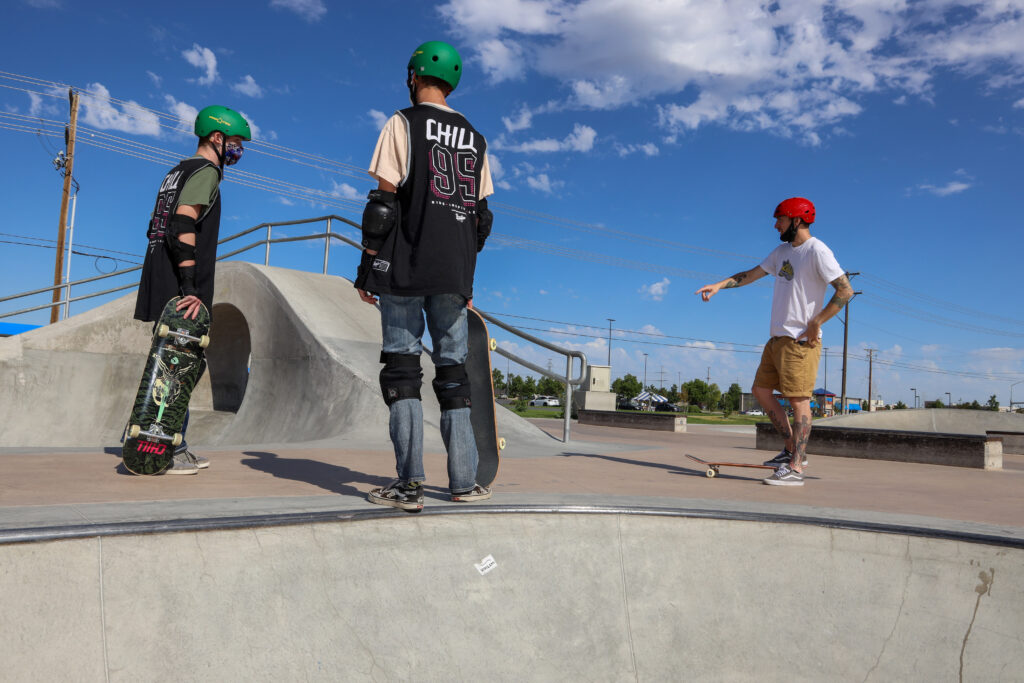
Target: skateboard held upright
<point>481,382</point>
<point>173,367</point>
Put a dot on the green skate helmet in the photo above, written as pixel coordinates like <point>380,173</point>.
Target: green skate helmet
<point>227,121</point>
<point>437,59</point>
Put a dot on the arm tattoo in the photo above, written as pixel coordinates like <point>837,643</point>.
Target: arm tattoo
<point>843,291</point>
<point>735,281</point>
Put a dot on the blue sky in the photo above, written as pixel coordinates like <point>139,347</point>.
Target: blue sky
<point>639,150</point>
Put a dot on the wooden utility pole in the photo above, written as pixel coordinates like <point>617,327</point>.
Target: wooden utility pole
<point>69,163</point>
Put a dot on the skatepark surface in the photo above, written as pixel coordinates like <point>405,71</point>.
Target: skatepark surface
<point>612,557</point>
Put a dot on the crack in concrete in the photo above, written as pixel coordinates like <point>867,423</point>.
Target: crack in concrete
<point>899,612</point>
<point>982,589</point>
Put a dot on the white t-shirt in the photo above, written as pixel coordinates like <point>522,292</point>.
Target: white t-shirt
<point>802,275</point>
<point>390,160</point>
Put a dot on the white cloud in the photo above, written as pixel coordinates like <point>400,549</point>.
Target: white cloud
<point>523,120</point>
<point>501,60</point>
<point>792,68</point>
<point>310,10</point>
<point>202,58</point>
<point>952,187</point>
<point>1019,104</point>
<point>43,4</point>
<point>257,132</point>
<point>44,106</point>
<point>345,191</point>
<point>648,149</point>
<point>542,183</point>
<point>248,86</point>
<point>379,118</point>
<point>100,112</point>
<point>155,78</point>
<point>185,113</point>
<point>656,290</point>
<point>581,139</point>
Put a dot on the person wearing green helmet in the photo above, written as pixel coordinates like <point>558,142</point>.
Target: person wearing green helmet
<point>422,229</point>
<point>183,231</point>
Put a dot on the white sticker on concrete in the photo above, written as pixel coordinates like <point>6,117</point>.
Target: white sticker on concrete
<point>486,565</point>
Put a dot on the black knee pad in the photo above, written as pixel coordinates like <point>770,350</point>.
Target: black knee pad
<point>401,377</point>
<point>452,387</point>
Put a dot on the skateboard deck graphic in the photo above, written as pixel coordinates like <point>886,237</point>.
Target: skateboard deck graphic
<point>481,382</point>
<point>712,470</point>
<point>173,367</point>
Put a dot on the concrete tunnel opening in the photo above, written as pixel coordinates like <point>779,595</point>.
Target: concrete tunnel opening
<point>227,362</point>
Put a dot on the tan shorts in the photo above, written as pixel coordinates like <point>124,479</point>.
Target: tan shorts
<point>788,366</point>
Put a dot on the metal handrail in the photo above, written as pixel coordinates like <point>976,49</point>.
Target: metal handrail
<point>569,355</point>
<point>327,236</point>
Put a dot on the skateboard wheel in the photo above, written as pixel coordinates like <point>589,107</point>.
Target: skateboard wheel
<point>163,331</point>
<point>204,341</point>
<point>501,444</point>
<point>134,431</point>
<point>493,344</point>
<point>176,441</point>
<point>711,473</point>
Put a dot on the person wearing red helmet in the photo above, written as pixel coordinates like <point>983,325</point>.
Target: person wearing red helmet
<point>803,268</point>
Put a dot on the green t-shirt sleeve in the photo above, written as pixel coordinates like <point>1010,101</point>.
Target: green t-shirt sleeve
<point>201,188</point>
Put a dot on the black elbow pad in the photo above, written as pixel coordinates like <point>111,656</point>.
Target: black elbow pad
<point>179,251</point>
<point>381,215</point>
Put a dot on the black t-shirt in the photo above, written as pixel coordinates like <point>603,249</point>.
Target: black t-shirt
<point>433,251</point>
<point>159,282</point>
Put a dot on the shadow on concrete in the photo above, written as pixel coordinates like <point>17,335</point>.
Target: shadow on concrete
<point>624,461</point>
<point>333,478</point>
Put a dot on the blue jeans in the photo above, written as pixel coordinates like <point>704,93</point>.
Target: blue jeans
<point>403,327</point>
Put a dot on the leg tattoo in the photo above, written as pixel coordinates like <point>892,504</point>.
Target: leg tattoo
<point>778,417</point>
<point>803,433</point>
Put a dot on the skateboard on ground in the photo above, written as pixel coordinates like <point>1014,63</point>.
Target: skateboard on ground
<point>481,382</point>
<point>712,470</point>
<point>173,367</point>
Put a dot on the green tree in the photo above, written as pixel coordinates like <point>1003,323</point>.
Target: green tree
<point>900,405</point>
<point>714,395</point>
<point>499,381</point>
<point>731,399</point>
<point>627,387</point>
<point>698,392</point>
<point>549,386</point>
<point>673,395</point>
<point>515,386</point>
<point>992,404</point>
<point>529,387</point>
<point>937,403</point>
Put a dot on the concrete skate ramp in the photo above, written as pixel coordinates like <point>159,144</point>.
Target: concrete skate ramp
<point>936,420</point>
<point>578,597</point>
<point>294,357</point>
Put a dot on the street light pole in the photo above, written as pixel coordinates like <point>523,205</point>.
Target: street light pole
<point>645,372</point>
<point>1011,393</point>
<point>610,321</point>
<point>915,397</point>
<point>949,397</point>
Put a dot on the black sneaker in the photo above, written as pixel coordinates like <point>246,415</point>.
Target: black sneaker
<point>784,476</point>
<point>478,492</point>
<point>408,497</point>
<point>783,458</point>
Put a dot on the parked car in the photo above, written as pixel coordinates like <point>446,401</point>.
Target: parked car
<point>665,407</point>
<point>755,412</point>
<point>546,401</point>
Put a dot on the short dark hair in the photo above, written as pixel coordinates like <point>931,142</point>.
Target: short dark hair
<point>435,82</point>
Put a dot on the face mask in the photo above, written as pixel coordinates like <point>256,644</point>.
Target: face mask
<point>232,153</point>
